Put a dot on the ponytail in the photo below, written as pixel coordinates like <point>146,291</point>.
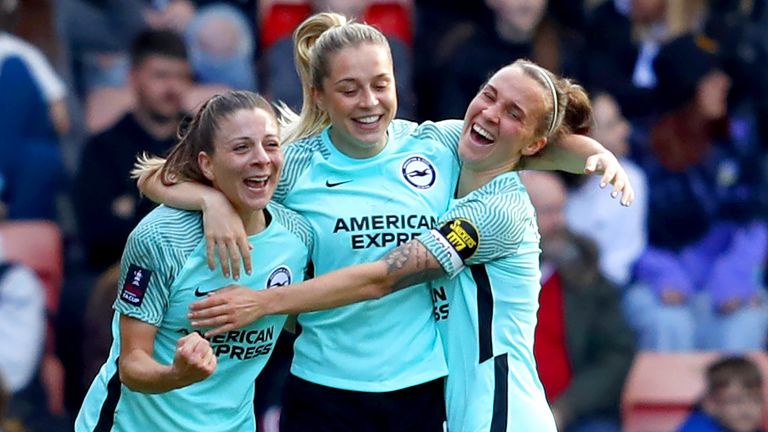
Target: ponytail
<point>314,43</point>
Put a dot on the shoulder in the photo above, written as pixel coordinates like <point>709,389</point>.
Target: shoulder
<point>168,227</point>
<point>116,131</point>
<point>440,129</point>
<point>11,45</point>
<point>403,129</point>
<point>502,202</point>
<point>292,222</point>
<point>282,214</point>
<point>503,188</point>
<point>305,146</point>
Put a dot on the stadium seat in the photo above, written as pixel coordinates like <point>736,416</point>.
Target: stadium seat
<point>106,105</point>
<point>393,18</point>
<point>280,19</point>
<point>661,389</point>
<point>38,245</point>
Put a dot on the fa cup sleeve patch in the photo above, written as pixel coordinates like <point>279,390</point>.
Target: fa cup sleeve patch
<point>135,285</point>
<point>459,238</point>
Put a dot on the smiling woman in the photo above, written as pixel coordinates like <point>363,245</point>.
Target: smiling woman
<point>482,256</point>
<point>389,180</point>
<point>164,374</point>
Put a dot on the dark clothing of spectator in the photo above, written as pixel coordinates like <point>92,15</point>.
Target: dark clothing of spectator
<point>611,60</point>
<point>103,178</point>
<point>699,421</point>
<point>598,344</point>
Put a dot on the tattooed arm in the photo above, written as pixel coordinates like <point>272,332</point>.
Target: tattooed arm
<point>236,306</point>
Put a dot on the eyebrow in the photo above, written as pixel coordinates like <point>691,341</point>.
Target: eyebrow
<point>247,138</point>
<point>510,103</point>
<point>377,77</point>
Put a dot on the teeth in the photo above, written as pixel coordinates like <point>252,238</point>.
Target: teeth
<point>482,132</point>
<point>258,178</point>
<point>369,119</point>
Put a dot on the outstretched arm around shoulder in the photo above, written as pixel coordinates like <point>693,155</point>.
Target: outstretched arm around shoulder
<point>580,154</point>
<point>225,235</point>
<point>237,306</point>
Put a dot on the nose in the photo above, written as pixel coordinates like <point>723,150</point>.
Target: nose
<point>259,156</point>
<point>368,98</point>
<point>492,112</point>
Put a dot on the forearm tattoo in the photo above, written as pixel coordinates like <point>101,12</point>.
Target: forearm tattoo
<point>412,263</point>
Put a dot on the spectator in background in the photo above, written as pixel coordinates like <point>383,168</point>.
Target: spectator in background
<point>733,401</point>
<point>708,241</point>
<point>283,82</point>
<point>624,37</point>
<point>220,35</point>
<point>620,232</point>
<point>107,204</point>
<point>22,330</point>
<point>520,31</point>
<point>222,47</point>
<point>438,25</point>
<point>32,115</point>
<point>582,345</point>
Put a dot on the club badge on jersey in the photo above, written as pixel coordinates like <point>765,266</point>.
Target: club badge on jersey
<point>280,276</point>
<point>419,172</point>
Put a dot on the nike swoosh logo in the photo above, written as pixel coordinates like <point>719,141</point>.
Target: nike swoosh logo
<point>329,184</point>
<point>199,293</point>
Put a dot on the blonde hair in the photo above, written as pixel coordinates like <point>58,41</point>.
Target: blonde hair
<point>314,42</point>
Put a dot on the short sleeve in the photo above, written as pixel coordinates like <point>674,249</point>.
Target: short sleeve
<point>295,223</point>
<point>145,277</point>
<point>480,229</point>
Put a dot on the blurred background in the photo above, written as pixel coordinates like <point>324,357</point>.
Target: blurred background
<point>657,323</point>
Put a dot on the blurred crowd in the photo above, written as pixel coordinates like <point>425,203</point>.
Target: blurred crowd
<point>680,95</point>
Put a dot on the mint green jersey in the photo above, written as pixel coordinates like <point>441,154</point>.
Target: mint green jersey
<point>488,242</point>
<point>163,271</point>
<point>359,209</point>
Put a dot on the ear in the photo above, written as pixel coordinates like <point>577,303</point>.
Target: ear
<point>206,165</point>
<point>534,147</point>
<point>319,97</point>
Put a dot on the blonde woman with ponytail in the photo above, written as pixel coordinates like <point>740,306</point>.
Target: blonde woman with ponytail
<point>368,183</point>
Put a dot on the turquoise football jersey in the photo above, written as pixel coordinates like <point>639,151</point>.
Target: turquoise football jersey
<point>489,242</point>
<point>359,209</point>
<point>163,271</point>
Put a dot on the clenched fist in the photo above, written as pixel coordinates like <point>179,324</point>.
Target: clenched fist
<point>194,360</point>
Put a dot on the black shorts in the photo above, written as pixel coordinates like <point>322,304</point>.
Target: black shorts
<point>309,407</point>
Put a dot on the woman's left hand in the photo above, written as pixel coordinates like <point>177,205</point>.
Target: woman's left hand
<point>227,309</point>
<point>606,164</point>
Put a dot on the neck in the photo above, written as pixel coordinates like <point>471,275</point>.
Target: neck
<point>159,128</point>
<point>254,221</point>
<point>471,179</point>
<point>349,147</point>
